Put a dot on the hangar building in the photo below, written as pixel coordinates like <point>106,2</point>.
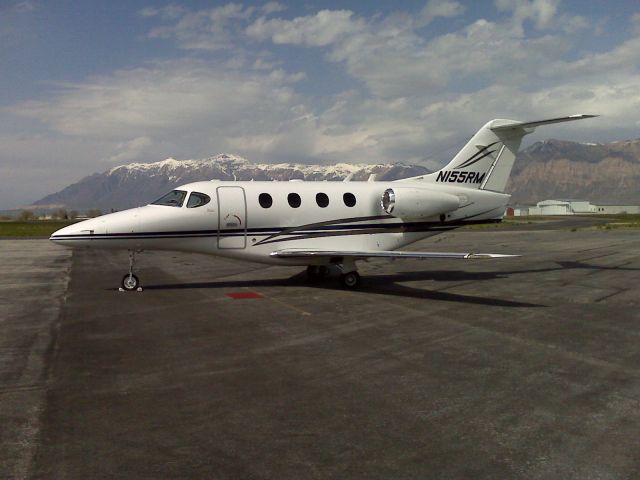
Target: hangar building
<point>573,207</point>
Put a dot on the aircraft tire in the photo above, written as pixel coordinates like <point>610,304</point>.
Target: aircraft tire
<point>350,280</point>
<point>130,283</point>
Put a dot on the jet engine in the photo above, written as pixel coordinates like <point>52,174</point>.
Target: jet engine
<point>417,203</point>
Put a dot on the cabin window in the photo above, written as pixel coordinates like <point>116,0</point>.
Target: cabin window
<point>197,199</point>
<point>174,198</point>
<point>294,200</point>
<point>265,200</point>
<point>349,199</point>
<point>322,200</point>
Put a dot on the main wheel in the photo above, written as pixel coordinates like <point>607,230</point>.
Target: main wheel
<point>350,280</point>
<point>130,282</point>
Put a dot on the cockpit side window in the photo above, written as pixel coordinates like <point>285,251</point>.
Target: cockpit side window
<point>174,198</point>
<point>197,199</point>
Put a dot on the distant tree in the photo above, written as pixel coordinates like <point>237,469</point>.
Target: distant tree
<point>73,214</point>
<point>61,214</point>
<point>94,212</point>
<point>26,215</point>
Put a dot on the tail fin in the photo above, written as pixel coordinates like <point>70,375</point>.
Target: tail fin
<point>486,160</point>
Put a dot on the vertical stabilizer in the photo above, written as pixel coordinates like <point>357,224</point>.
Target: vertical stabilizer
<point>485,162</point>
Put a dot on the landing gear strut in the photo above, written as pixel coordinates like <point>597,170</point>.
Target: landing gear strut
<point>130,282</point>
<point>350,278</point>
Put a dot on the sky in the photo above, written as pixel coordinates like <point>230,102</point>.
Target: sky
<point>86,85</point>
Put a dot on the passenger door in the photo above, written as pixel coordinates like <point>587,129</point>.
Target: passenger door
<point>232,217</point>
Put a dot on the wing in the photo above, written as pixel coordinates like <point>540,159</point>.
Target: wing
<point>301,253</point>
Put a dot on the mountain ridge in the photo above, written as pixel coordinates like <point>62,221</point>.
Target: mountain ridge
<point>135,184</point>
<point>599,172</point>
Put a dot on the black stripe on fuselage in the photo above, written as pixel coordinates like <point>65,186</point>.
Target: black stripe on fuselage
<point>338,230</point>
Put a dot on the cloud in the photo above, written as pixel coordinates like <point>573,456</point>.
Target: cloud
<point>391,58</point>
<point>131,150</point>
<point>24,7</point>
<point>168,12</point>
<point>273,7</point>
<point>162,98</point>
<point>182,108</point>
<point>543,14</point>
<point>323,28</point>
<point>208,29</point>
<point>439,8</point>
<point>540,12</point>
<point>635,23</point>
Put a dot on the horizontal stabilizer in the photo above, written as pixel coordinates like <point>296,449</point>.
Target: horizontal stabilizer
<point>538,123</point>
<point>299,253</point>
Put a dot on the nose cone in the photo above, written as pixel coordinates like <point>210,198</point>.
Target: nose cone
<point>100,231</point>
<point>78,233</point>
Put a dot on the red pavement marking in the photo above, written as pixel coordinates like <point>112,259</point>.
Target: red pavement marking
<point>244,295</point>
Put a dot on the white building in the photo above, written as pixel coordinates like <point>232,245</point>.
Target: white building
<point>574,207</point>
<point>605,208</point>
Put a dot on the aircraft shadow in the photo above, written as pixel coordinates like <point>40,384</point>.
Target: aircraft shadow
<point>374,284</point>
<point>390,284</point>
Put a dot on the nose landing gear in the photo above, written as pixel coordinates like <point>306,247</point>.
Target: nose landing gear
<point>130,282</point>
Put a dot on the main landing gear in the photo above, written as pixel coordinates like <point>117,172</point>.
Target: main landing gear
<point>130,282</point>
<point>349,276</point>
<point>350,280</point>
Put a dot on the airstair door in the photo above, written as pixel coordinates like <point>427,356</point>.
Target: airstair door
<point>232,217</point>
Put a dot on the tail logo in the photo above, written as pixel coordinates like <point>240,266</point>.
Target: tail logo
<point>479,155</point>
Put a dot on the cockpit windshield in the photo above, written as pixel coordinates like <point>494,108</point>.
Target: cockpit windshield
<point>174,198</point>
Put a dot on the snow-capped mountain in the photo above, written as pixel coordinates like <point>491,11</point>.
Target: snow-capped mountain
<point>140,183</point>
<point>607,172</point>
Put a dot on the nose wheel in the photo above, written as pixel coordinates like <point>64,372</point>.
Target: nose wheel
<point>131,282</point>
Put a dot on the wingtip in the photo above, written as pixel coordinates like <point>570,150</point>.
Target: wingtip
<point>475,256</point>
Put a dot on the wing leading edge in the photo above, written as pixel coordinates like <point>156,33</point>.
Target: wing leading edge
<point>300,253</point>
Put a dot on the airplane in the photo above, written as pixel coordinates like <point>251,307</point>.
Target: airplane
<point>319,224</point>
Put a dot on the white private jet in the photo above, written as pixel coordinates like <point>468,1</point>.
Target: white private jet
<point>317,224</point>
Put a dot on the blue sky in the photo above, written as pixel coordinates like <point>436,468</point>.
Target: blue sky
<point>88,85</point>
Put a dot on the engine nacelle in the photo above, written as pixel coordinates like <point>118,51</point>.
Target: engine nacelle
<point>417,203</point>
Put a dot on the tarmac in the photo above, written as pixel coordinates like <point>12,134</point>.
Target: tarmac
<point>522,368</point>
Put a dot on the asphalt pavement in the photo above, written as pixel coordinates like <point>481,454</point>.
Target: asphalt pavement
<point>524,367</point>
